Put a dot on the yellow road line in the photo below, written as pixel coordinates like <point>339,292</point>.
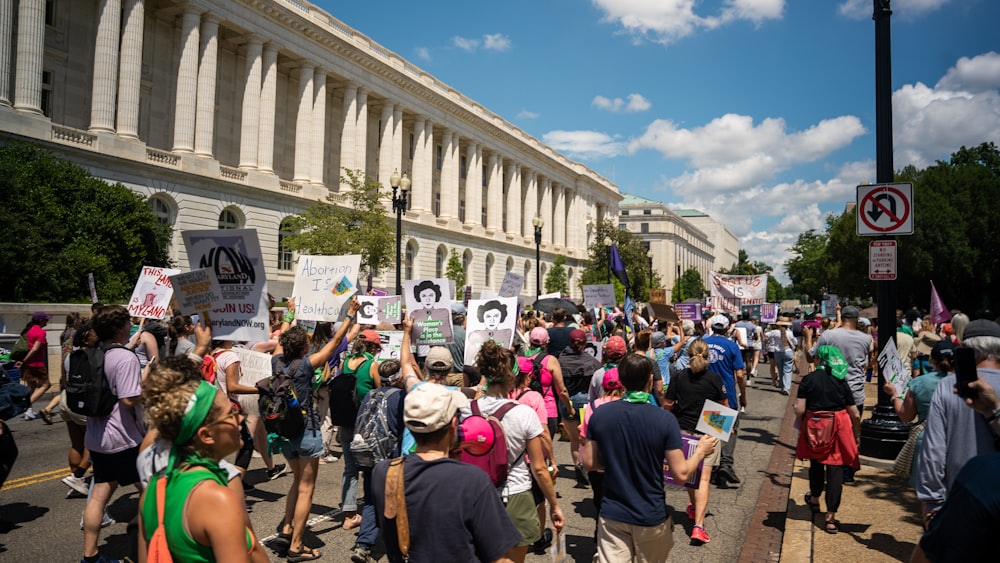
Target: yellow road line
<point>33,479</point>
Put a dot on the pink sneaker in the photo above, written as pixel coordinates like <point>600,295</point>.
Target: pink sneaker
<point>700,535</point>
<point>690,512</point>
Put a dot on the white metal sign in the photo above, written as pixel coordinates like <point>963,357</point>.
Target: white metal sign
<point>882,260</point>
<point>885,209</point>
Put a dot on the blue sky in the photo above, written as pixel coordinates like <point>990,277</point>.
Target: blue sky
<point>759,112</point>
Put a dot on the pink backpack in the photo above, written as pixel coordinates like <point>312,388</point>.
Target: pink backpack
<point>494,460</point>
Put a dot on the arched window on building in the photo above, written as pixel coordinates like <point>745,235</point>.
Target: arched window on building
<point>284,253</point>
<point>162,210</point>
<point>409,260</point>
<point>441,262</point>
<point>489,270</point>
<point>229,219</point>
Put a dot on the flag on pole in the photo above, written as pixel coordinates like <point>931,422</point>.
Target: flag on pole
<point>629,309</point>
<point>618,267</point>
<point>939,313</point>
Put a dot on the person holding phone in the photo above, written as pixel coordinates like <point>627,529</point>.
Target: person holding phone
<point>955,433</point>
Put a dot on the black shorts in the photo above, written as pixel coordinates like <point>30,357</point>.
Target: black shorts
<point>118,467</point>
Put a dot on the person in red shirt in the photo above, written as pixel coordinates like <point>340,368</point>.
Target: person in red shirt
<point>34,366</point>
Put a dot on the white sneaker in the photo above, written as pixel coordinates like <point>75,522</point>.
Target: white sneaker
<point>32,414</point>
<point>105,522</point>
<point>76,483</point>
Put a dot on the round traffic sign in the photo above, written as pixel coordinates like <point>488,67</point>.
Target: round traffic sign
<point>889,202</point>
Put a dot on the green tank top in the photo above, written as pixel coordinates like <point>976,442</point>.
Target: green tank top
<point>182,546</point>
<point>364,380</point>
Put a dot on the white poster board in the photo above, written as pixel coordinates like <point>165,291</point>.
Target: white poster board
<point>553,295</point>
<point>233,257</point>
<point>489,319</point>
<point>601,295</point>
<point>392,343</point>
<point>254,366</point>
<point>197,291</point>
<point>716,420</point>
<point>152,293</point>
<point>729,292</point>
<point>512,284</point>
<point>429,305</point>
<point>323,284</point>
<point>892,368</point>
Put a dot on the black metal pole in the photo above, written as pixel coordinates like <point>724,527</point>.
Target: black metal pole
<point>883,434</point>
<point>538,258</point>
<point>609,263</point>
<point>398,207</point>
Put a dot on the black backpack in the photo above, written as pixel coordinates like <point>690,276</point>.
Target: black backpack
<point>87,389</point>
<point>280,408</point>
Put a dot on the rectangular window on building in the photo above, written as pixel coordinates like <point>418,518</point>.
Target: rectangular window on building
<point>379,132</point>
<point>412,147</point>
<point>485,177</point>
<point>461,167</point>
<point>643,228</point>
<point>461,210</point>
<point>621,226</point>
<point>437,204</point>
<point>47,93</point>
<point>624,212</point>
<point>440,157</point>
<point>645,245</point>
<point>647,212</point>
<point>50,12</point>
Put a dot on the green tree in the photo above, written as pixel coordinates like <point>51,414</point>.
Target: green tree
<point>807,269</point>
<point>633,256</point>
<point>688,286</point>
<point>61,223</point>
<point>555,279</point>
<point>359,227</point>
<point>455,271</point>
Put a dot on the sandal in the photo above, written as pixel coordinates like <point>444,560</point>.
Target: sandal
<point>832,526</point>
<point>814,506</point>
<point>281,542</point>
<point>303,554</point>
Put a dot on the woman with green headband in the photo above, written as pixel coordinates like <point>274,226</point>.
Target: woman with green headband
<point>203,519</point>
<point>830,426</point>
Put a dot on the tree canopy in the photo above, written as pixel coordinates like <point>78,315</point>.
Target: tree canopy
<point>689,286</point>
<point>455,271</point>
<point>360,227</point>
<point>954,243</point>
<point>633,255</point>
<point>61,223</point>
<point>555,278</point>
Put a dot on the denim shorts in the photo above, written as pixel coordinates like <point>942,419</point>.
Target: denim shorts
<point>579,401</point>
<point>308,445</point>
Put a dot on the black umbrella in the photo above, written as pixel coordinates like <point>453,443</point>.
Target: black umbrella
<point>548,304</point>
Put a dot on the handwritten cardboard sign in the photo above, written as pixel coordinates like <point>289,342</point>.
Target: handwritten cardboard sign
<point>599,295</point>
<point>152,293</point>
<point>512,284</point>
<point>323,284</point>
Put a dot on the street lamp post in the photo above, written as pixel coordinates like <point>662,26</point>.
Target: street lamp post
<point>607,244</point>
<point>649,255</point>
<point>538,222</point>
<point>402,185</point>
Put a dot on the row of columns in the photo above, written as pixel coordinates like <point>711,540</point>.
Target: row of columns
<point>511,193</point>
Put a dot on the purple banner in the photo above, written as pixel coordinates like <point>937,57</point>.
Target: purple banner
<point>688,311</point>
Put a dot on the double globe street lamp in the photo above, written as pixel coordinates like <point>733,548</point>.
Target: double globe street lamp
<point>402,185</point>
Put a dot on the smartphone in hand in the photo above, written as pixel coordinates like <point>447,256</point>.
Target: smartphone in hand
<point>965,372</point>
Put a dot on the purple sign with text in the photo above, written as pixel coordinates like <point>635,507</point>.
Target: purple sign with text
<point>688,311</point>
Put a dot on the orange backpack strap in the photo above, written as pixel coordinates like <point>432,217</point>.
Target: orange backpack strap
<point>159,550</point>
<point>395,504</point>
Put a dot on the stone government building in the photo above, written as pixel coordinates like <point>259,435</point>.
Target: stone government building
<point>242,113</point>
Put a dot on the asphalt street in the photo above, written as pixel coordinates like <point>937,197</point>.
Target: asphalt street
<point>46,524</point>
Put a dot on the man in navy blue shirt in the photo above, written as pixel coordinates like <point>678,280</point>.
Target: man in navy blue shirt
<point>725,359</point>
<point>629,439</point>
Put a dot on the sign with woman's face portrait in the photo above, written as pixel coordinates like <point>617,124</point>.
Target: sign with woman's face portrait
<point>428,302</point>
<point>489,319</point>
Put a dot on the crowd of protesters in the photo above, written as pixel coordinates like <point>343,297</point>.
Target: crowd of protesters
<point>620,389</point>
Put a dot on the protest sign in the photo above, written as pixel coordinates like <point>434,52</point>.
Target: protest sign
<point>323,284</point>
<point>553,295</point>
<point>92,286</point>
<point>375,310</point>
<point>751,311</point>
<point>829,306</point>
<point>716,420</point>
<point>493,319</point>
<point>152,293</point>
<point>664,313</point>
<point>688,445</point>
<point>429,305</point>
<point>892,367</point>
<point>601,295</point>
<point>512,284</point>
<point>729,292</point>
<point>688,311</point>
<point>233,257</point>
<point>197,291</point>
<point>658,296</point>
<point>254,366</point>
<point>392,343</point>
<point>768,313</point>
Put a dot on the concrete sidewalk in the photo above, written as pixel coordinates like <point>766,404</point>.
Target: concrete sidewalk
<point>879,514</point>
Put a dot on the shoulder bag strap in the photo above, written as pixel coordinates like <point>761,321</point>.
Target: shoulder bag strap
<point>395,504</point>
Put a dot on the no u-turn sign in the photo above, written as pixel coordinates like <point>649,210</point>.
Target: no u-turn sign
<point>885,209</point>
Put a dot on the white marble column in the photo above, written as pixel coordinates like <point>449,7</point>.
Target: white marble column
<point>187,81</point>
<point>361,134</point>
<point>512,179</point>
<point>319,122</point>
<point>30,52</point>
<point>105,77</point>
<point>548,188</point>
<point>450,176</point>
<point>473,184</point>
<point>207,71</point>
<point>494,194</point>
<point>531,206</point>
<point>250,115</point>
<point>268,97</point>
<point>348,132</point>
<point>397,139</point>
<point>303,131</point>
<point>6,29</point>
<point>429,159</point>
<point>417,200</point>
<point>385,162</point>
<point>560,215</point>
<point>130,69</point>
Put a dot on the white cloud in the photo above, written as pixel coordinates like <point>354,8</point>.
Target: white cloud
<point>634,103</point>
<point>666,21</point>
<point>525,114</point>
<point>423,53</point>
<point>584,144</point>
<point>731,152</point>
<point>496,42</point>
<point>861,9</point>
<point>465,43</point>
<point>962,109</point>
